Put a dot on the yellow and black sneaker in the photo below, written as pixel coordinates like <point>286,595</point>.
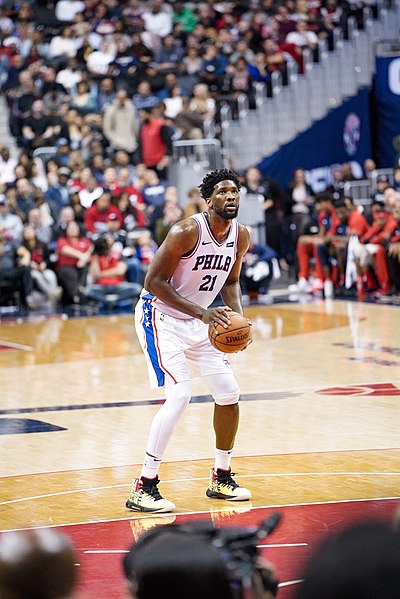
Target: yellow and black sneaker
<point>223,486</point>
<point>145,496</point>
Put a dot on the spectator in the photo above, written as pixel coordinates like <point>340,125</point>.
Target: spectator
<point>260,265</point>
<point>382,183</point>
<point>155,142</point>
<point>99,61</point>
<point>25,198</point>
<point>106,93</point>
<point>90,193</point>
<point>41,229</point>
<point>36,563</point>
<point>108,275</point>
<point>14,268</point>
<point>171,213</point>
<point>96,216</point>
<point>196,203</point>
<point>169,55</point>
<point>121,124</point>
<point>144,98</point>
<point>59,191</point>
<point>153,194</point>
<point>7,166</point>
<point>82,100</point>
<point>132,214</point>
<point>38,129</point>
<point>362,561</point>
<point>157,21</point>
<point>74,252</point>
<point>44,278</point>
<point>71,75</point>
<point>298,208</point>
<point>10,223</point>
<point>332,252</point>
<point>63,46</point>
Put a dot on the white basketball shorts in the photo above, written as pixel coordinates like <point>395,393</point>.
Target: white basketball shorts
<point>177,347</point>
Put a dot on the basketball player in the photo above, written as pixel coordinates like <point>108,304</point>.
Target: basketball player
<point>200,257</point>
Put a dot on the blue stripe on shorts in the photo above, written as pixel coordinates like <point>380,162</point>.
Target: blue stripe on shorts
<point>148,328</point>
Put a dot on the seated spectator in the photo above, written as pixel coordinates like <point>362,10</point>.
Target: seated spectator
<point>25,198</point>
<point>393,253</point>
<point>196,203</point>
<point>74,252</point>
<point>370,253</point>
<point>41,228</point>
<point>169,54</point>
<point>96,216</point>
<point>302,36</point>
<point>64,45</point>
<point>38,129</point>
<point>99,60</point>
<point>144,98</point>
<point>171,213</point>
<point>106,93</point>
<point>307,246</point>
<point>146,248</point>
<point>107,272</point>
<point>258,70</point>
<point>7,166</point>
<point>59,191</point>
<point>65,217</point>
<point>36,563</point>
<point>157,20</point>
<point>90,193</point>
<point>332,252</point>
<point>71,75</point>
<point>44,278</point>
<point>382,183</point>
<point>10,223</point>
<point>191,63</point>
<point>153,193</point>
<point>14,268</point>
<point>202,102</point>
<point>260,265</point>
<point>133,214</point>
<point>361,560</point>
<point>82,100</point>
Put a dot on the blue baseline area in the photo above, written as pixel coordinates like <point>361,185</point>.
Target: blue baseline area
<point>274,396</point>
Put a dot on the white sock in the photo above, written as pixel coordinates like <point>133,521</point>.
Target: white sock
<point>223,458</point>
<point>151,465</point>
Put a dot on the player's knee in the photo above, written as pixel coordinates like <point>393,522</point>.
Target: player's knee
<point>227,397</point>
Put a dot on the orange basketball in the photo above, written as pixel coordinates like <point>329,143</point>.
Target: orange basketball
<point>232,339</point>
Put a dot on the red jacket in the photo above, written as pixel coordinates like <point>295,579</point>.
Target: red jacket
<point>93,217</point>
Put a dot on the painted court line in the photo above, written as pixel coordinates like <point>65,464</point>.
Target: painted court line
<point>105,551</point>
<point>201,512</point>
<point>188,480</point>
<point>13,345</point>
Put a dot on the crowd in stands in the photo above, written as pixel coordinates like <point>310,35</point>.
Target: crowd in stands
<point>97,92</point>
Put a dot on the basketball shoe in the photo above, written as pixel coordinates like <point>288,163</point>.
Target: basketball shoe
<point>223,486</point>
<point>145,496</point>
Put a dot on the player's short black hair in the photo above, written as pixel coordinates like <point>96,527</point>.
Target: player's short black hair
<point>211,179</point>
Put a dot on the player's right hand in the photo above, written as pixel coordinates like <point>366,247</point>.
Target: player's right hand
<point>217,316</point>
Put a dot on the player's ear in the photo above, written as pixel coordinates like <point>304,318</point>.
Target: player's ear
<point>208,202</point>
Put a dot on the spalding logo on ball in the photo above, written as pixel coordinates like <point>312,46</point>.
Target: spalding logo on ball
<point>232,339</point>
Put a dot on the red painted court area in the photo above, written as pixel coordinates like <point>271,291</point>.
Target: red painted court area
<point>101,545</point>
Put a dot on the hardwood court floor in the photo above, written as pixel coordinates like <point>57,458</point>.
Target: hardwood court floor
<point>319,435</point>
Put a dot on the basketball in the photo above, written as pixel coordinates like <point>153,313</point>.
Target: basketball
<point>232,339</point>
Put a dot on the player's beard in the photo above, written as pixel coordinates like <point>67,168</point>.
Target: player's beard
<point>226,214</point>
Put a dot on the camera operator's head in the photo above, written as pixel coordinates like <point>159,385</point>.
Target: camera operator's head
<point>360,562</point>
<point>168,561</point>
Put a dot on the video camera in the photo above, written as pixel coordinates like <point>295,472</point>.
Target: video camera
<point>238,549</point>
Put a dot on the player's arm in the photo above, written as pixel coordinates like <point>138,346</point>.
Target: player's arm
<point>231,292</point>
<point>181,240</point>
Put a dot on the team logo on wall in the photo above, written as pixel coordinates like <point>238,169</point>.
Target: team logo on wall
<point>351,133</point>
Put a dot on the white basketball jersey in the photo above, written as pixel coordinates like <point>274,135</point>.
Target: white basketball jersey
<point>200,276</point>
